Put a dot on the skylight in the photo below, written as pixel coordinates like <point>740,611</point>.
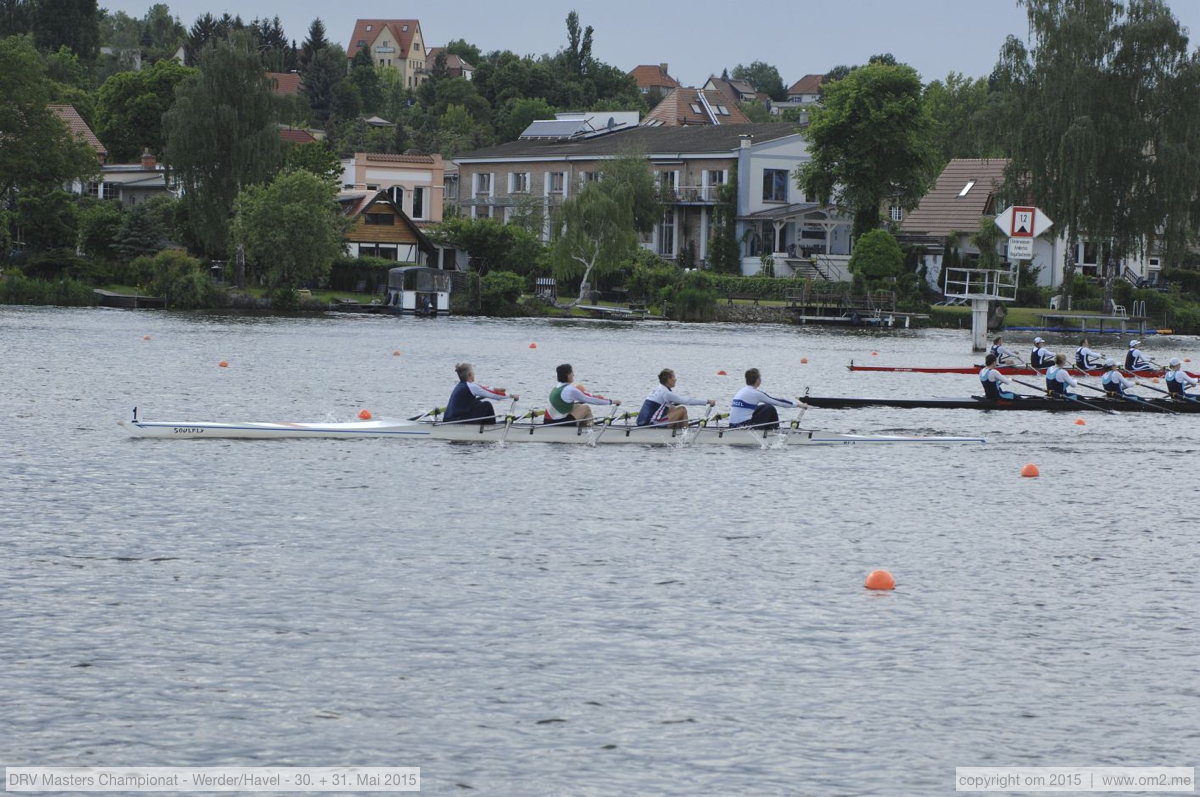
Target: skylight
<point>970,184</point>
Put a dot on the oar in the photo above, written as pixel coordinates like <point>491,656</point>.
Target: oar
<point>1130,397</point>
<point>436,411</point>
<point>508,421</point>
<point>605,424</point>
<point>1076,399</point>
<point>687,439</point>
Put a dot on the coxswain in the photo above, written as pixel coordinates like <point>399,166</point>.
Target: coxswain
<point>1040,357</point>
<point>665,406</point>
<point>1113,381</point>
<point>468,400</point>
<point>1178,381</point>
<point>754,408</point>
<point>1004,355</point>
<point>1135,360</point>
<point>1086,359</point>
<point>994,381</point>
<point>1058,378</point>
<point>569,402</point>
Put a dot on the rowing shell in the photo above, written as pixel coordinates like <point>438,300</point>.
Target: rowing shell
<point>381,427</point>
<point>661,435</point>
<point>1102,404</point>
<point>1006,370</point>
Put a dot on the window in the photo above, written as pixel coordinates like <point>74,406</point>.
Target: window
<point>518,183</point>
<point>450,187</point>
<point>896,213</point>
<point>557,181</point>
<point>110,191</point>
<point>368,28</point>
<point>362,42</point>
<point>483,212</point>
<point>722,110</point>
<point>483,184</point>
<point>775,185</point>
<point>418,208</point>
<point>666,234</point>
<point>396,194</point>
<point>695,108</point>
<point>404,28</point>
<point>380,219</point>
<point>966,189</point>
<point>668,182</point>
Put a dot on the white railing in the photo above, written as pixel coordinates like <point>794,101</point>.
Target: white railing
<point>980,283</point>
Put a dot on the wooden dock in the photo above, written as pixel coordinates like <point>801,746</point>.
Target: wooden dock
<point>129,301</point>
<point>1114,322</point>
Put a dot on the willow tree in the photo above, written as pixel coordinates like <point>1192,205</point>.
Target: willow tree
<point>221,136</point>
<point>598,229</point>
<point>871,142</point>
<point>1100,114</point>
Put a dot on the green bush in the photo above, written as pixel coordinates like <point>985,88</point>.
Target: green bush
<point>348,272</point>
<point>647,280</point>
<point>17,289</point>
<point>499,292</point>
<point>693,298</point>
<point>53,264</point>
<point>183,281</point>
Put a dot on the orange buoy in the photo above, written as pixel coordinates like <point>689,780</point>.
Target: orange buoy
<point>1080,422</point>
<point>880,579</point>
<point>223,364</point>
<point>874,354</point>
<point>364,415</point>
<point>147,337</point>
<point>396,353</point>
<point>533,345</point>
<point>1187,359</point>
<point>1030,471</point>
<point>804,361</point>
<point>722,373</point>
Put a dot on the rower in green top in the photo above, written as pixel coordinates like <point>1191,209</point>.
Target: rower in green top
<point>569,401</point>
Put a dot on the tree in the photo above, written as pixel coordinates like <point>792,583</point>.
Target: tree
<point>315,42</point>
<point>468,52</point>
<point>366,79</point>
<point>326,69</point>
<point>764,77</point>
<point>723,251</point>
<point>141,233</point>
<point>597,229</point>
<point>16,17</point>
<point>74,24</point>
<point>162,34</point>
<point>129,112</point>
<point>292,228</point>
<point>315,157</point>
<point>1101,115</point>
<point>221,136</point>
<point>959,110</point>
<point>493,246</point>
<point>877,261</point>
<point>99,222</point>
<point>577,56</point>
<point>518,115</point>
<point>38,149</point>
<point>870,143</point>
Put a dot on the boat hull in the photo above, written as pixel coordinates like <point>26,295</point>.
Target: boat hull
<point>1023,403</point>
<point>621,434</point>
<point>975,369</point>
<point>176,430</point>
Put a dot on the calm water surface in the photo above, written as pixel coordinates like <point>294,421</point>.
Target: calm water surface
<point>534,619</point>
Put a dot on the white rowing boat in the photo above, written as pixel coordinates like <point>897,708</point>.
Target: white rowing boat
<point>604,432</point>
<point>703,435</point>
<point>381,427</point>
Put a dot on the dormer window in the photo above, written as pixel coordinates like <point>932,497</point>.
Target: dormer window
<point>368,28</point>
<point>404,28</point>
<point>722,110</point>
<point>970,184</point>
<point>695,108</point>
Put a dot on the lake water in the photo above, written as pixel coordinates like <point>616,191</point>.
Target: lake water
<point>539,619</point>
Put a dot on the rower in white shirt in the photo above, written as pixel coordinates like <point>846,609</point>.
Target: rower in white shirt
<point>994,382</point>
<point>754,408</point>
<point>1086,359</point>
<point>1058,378</point>
<point>1004,355</point>
<point>1135,360</point>
<point>1041,357</point>
<point>1113,381</point>
<point>1178,381</point>
<point>665,406</point>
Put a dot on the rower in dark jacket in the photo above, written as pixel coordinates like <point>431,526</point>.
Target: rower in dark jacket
<point>1040,357</point>
<point>468,400</point>
<point>994,381</point>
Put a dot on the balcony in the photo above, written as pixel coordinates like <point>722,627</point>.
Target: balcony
<point>690,194</point>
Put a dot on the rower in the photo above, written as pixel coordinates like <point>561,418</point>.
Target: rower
<point>1178,381</point>
<point>1086,359</point>
<point>665,406</point>
<point>1135,360</point>
<point>1058,377</point>
<point>992,380</point>
<point>1113,381</point>
<point>1004,355</point>
<point>1040,357</point>
<point>754,408</point>
<point>468,400</point>
<point>569,402</point>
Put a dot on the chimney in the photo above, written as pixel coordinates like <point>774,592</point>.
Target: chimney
<point>663,67</point>
<point>745,141</point>
<point>148,161</point>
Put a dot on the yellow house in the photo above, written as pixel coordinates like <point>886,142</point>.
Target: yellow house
<point>393,43</point>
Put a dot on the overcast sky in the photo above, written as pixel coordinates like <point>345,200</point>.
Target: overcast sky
<point>695,37</point>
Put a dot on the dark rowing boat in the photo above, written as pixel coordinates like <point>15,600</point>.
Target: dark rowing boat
<point>1007,371</point>
<point>1034,403</point>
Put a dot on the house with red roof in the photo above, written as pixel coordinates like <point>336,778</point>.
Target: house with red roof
<point>80,129</point>
<point>803,94</point>
<point>284,84</point>
<point>381,229</point>
<point>651,77</point>
<point>393,44</point>
<point>686,106</point>
<point>455,65</point>
<point>413,181</point>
